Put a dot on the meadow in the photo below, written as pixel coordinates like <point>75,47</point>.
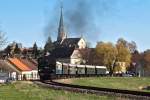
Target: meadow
<point>23,90</point>
<point>128,83</point>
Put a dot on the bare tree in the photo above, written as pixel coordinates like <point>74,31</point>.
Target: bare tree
<point>130,45</point>
<point>2,39</point>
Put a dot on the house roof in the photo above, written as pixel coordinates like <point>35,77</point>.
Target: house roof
<point>28,64</point>
<point>70,42</point>
<point>21,66</point>
<point>33,61</point>
<point>65,48</point>
<point>63,52</point>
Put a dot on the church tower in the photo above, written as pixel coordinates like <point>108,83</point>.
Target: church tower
<point>61,31</point>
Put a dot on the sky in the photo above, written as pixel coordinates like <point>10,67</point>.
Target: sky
<point>29,21</point>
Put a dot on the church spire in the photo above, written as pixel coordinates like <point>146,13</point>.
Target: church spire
<point>61,32</point>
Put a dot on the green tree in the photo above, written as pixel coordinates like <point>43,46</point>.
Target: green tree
<point>107,52</point>
<point>17,49</point>
<point>49,46</point>
<point>35,50</point>
<point>8,50</point>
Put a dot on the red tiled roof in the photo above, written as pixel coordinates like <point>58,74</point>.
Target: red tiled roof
<point>29,64</point>
<point>19,64</point>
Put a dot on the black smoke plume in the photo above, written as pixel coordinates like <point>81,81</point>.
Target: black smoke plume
<point>80,17</point>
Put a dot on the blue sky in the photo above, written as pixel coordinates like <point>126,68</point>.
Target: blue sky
<point>25,21</point>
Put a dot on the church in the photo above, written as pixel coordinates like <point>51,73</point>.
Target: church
<point>68,49</point>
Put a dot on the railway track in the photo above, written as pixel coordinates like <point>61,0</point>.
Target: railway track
<point>126,94</point>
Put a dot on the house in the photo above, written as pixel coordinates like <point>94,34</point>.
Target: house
<point>68,55</point>
<point>25,70</point>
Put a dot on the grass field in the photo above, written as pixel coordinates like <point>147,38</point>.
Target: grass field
<point>30,91</point>
<point>129,83</point>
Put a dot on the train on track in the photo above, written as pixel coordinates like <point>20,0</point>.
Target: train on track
<point>49,68</point>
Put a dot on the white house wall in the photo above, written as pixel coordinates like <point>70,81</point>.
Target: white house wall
<point>76,57</point>
<point>30,75</point>
<point>76,60</point>
<point>82,43</point>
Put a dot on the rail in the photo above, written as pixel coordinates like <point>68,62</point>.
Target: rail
<point>128,94</point>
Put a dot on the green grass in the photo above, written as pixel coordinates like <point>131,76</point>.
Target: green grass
<point>29,91</point>
<point>129,83</point>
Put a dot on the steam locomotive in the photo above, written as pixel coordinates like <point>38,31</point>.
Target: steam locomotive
<point>49,68</point>
<point>46,67</point>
